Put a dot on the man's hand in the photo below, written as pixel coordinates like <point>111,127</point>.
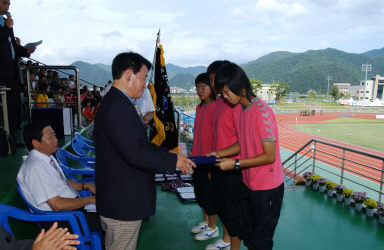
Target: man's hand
<point>55,239</point>
<point>225,164</point>
<point>31,50</point>
<point>184,164</point>
<point>90,187</point>
<point>8,22</point>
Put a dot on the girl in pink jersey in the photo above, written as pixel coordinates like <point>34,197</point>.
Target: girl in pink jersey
<point>259,150</point>
<point>202,145</point>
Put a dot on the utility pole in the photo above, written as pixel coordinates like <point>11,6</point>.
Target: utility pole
<point>328,78</point>
<point>366,67</point>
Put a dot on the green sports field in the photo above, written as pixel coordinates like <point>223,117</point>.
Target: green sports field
<point>364,132</point>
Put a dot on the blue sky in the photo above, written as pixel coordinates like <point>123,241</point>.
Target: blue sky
<point>195,32</point>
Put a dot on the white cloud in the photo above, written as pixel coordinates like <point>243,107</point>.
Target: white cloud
<point>195,32</point>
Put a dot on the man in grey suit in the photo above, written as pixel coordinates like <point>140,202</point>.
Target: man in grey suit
<point>125,160</point>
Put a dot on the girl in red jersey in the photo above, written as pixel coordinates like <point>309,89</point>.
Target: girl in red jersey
<point>202,144</point>
<point>259,162</point>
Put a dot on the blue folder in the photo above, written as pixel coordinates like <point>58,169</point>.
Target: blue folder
<point>203,160</point>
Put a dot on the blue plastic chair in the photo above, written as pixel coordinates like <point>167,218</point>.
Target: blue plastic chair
<point>85,162</point>
<point>87,174</point>
<point>85,140</point>
<point>81,148</point>
<point>76,219</point>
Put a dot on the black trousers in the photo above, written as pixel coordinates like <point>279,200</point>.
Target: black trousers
<point>265,214</point>
<point>13,105</point>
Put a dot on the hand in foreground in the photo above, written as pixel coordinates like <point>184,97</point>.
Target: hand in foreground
<point>225,164</point>
<point>184,164</point>
<point>55,238</point>
<point>8,22</point>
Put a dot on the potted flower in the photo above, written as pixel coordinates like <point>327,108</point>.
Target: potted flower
<point>307,176</point>
<point>314,179</point>
<point>300,182</point>
<point>370,206</point>
<point>330,186</point>
<point>380,212</point>
<point>347,196</point>
<point>321,182</point>
<point>339,192</point>
<point>359,198</point>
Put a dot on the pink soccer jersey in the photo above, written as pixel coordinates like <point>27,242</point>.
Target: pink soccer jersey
<point>202,133</point>
<point>225,119</point>
<point>257,125</point>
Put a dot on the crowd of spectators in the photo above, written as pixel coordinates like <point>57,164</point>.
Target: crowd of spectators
<point>49,88</point>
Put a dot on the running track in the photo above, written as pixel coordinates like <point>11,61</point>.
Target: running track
<point>293,140</point>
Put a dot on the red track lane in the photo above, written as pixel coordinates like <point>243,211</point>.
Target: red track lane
<point>293,139</point>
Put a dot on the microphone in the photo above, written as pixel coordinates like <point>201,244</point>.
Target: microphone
<point>8,14</point>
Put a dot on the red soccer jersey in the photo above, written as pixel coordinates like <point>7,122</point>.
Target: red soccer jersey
<point>257,125</point>
<point>225,119</point>
<point>203,129</point>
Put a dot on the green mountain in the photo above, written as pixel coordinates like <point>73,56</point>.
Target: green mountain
<point>96,74</point>
<point>173,70</point>
<point>185,81</point>
<point>308,70</point>
<point>375,52</point>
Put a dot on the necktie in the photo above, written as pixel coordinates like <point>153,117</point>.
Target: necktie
<point>52,162</point>
<point>1,21</point>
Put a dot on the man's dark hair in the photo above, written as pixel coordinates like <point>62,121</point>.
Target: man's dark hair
<point>128,60</point>
<point>204,78</point>
<point>212,68</point>
<point>34,131</point>
<point>234,77</point>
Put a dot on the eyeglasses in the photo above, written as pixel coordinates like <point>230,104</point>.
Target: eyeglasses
<point>202,88</point>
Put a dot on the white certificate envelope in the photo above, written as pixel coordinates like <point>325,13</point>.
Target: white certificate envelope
<point>91,207</point>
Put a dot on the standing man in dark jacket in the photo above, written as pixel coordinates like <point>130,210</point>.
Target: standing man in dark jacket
<point>125,160</point>
<point>10,52</point>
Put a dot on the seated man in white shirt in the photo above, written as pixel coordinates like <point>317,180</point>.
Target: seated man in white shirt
<point>42,181</point>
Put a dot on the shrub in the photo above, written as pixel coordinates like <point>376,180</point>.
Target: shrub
<point>306,175</point>
<point>339,189</point>
<point>321,181</point>
<point>330,185</point>
<point>370,203</point>
<point>347,192</point>
<point>359,197</point>
<point>300,182</point>
<point>380,209</point>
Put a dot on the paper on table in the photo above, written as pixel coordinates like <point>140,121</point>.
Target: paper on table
<point>91,207</point>
<point>33,45</point>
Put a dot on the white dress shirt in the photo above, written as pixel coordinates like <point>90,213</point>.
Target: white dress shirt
<point>40,181</point>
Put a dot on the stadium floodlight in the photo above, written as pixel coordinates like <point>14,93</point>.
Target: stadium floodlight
<point>328,78</point>
<point>366,67</point>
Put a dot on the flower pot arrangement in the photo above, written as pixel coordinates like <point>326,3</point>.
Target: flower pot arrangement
<point>321,181</point>
<point>380,212</point>
<point>370,206</point>
<point>347,193</point>
<point>330,186</point>
<point>307,176</point>
<point>300,182</point>
<point>339,192</point>
<point>315,184</point>
<point>359,198</point>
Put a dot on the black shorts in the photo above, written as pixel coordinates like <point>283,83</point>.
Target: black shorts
<point>203,189</point>
<point>232,201</point>
<point>265,212</point>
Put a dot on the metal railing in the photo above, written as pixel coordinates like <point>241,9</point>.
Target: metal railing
<point>340,163</point>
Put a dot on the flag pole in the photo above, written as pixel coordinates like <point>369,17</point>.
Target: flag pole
<point>154,58</point>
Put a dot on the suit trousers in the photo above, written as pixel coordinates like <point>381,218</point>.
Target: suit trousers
<point>120,234</point>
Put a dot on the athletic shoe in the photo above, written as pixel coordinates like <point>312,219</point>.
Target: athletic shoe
<point>220,244</point>
<point>207,233</point>
<point>197,229</point>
